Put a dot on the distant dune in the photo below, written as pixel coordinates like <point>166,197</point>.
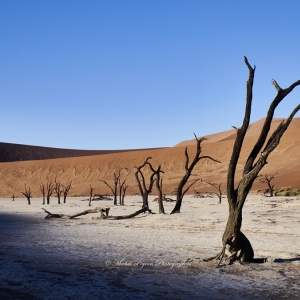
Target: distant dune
<point>253,130</point>
<point>16,152</point>
<point>86,170</point>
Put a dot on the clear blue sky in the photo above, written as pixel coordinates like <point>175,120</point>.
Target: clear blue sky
<point>136,74</point>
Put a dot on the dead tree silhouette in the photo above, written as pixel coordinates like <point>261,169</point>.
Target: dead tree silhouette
<point>43,191</point>
<point>267,178</point>
<point>218,187</point>
<point>158,181</point>
<point>116,178</point>
<point>27,194</point>
<point>65,190</point>
<point>49,190</point>
<point>58,190</point>
<point>141,181</point>
<point>188,171</point>
<point>237,244</point>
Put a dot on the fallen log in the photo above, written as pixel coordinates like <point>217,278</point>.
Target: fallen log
<point>88,211</point>
<point>164,199</point>
<point>98,197</point>
<point>143,210</point>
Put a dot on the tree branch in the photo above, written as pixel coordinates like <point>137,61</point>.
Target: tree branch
<point>190,186</point>
<point>240,133</point>
<point>267,124</point>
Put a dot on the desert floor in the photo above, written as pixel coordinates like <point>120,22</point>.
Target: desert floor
<point>145,257</point>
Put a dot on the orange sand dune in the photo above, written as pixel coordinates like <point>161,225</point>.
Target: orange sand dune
<point>17,152</point>
<point>86,170</point>
<point>253,130</point>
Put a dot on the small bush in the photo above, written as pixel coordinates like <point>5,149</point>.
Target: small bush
<point>287,192</point>
<point>294,192</point>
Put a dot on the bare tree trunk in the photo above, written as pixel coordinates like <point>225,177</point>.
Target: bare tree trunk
<point>271,190</point>
<point>145,199</point>
<point>115,197</point>
<point>161,209</point>
<point>66,190</point>
<point>50,190</point>
<point>120,190</point>
<point>88,211</point>
<point>188,171</point>
<point>239,246</point>
<point>142,184</point>
<point>116,178</point>
<point>58,190</point>
<point>27,194</point>
<point>124,192</point>
<point>267,178</point>
<point>158,181</point>
<point>143,210</point>
<point>91,195</point>
<point>42,188</point>
<point>218,187</point>
<point>140,178</point>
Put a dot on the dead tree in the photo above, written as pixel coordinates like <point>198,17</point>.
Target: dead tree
<point>197,194</point>
<point>42,188</point>
<point>267,178</point>
<point>116,177</point>
<point>218,187</point>
<point>27,194</point>
<point>66,216</point>
<point>140,178</point>
<point>91,195</point>
<point>58,190</point>
<point>65,190</point>
<point>143,210</point>
<point>237,244</point>
<point>144,190</point>
<point>164,198</point>
<point>158,182</point>
<point>124,192</point>
<point>121,185</point>
<point>49,190</point>
<point>188,171</point>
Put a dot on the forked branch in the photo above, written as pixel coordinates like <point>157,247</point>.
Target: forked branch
<point>188,172</point>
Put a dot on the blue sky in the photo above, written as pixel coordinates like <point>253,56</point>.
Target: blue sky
<point>137,74</point>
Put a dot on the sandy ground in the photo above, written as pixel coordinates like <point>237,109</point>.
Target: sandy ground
<point>145,257</point>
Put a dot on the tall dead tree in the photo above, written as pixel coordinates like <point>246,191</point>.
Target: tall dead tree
<point>267,178</point>
<point>27,194</point>
<point>188,172</point>
<point>218,187</point>
<point>158,183</point>
<point>124,192</point>
<point>144,190</point>
<point>91,195</point>
<point>237,244</point>
<point>141,181</point>
<point>65,190</point>
<point>42,189</point>
<point>50,187</point>
<point>121,184</point>
<point>116,177</point>
<point>58,190</point>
